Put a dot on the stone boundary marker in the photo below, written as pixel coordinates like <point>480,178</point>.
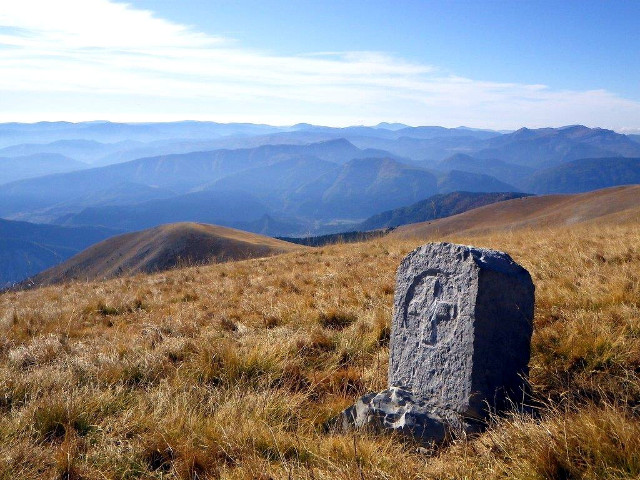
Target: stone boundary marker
<point>460,343</point>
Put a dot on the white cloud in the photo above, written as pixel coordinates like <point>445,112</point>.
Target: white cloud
<point>76,58</point>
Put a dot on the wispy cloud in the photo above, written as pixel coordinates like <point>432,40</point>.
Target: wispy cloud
<point>82,58</point>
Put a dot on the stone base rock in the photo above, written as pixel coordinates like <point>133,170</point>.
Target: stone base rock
<point>398,410</point>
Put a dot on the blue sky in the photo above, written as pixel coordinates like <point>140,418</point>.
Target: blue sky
<point>494,64</point>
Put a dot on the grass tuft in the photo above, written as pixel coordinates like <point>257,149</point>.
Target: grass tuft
<point>336,320</point>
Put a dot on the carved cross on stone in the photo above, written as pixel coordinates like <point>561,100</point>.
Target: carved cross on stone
<point>460,341</point>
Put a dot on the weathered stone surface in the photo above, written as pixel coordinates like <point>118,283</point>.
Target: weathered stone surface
<point>460,343</point>
<point>462,325</point>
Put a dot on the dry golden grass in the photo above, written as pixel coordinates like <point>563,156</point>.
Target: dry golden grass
<point>231,371</point>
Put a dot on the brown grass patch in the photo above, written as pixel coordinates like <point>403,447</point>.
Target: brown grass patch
<point>231,371</point>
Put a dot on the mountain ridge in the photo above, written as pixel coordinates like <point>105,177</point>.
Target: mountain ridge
<point>161,248</point>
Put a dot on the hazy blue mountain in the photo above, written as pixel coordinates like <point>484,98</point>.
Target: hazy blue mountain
<point>36,165</point>
<point>298,175</point>
<point>441,132</point>
<point>362,187</point>
<point>302,189</point>
<point>547,147</point>
<point>101,154</point>
<point>585,175</point>
<point>180,173</point>
<point>44,198</point>
<point>456,180</point>
<point>274,184</point>
<point>397,131</point>
<point>126,193</point>
<point>27,248</point>
<point>391,126</point>
<point>535,148</point>
<point>634,137</point>
<point>109,132</point>
<point>220,208</point>
<point>425,151</point>
<point>437,206</point>
<point>503,171</point>
<point>88,151</point>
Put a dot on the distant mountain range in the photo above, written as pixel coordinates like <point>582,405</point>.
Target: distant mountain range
<point>321,181</point>
<point>547,147</point>
<point>287,181</point>
<point>26,248</point>
<point>585,175</point>
<point>44,132</point>
<point>362,187</point>
<point>507,172</point>
<point>161,248</point>
<point>227,208</point>
<point>36,165</point>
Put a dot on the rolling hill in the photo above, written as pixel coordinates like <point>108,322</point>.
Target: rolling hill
<point>28,248</point>
<point>162,248</point>
<point>534,212</point>
<point>437,206</point>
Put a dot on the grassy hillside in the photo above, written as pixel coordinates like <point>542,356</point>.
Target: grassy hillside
<point>437,206</point>
<point>612,204</point>
<point>231,370</point>
<point>162,248</point>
